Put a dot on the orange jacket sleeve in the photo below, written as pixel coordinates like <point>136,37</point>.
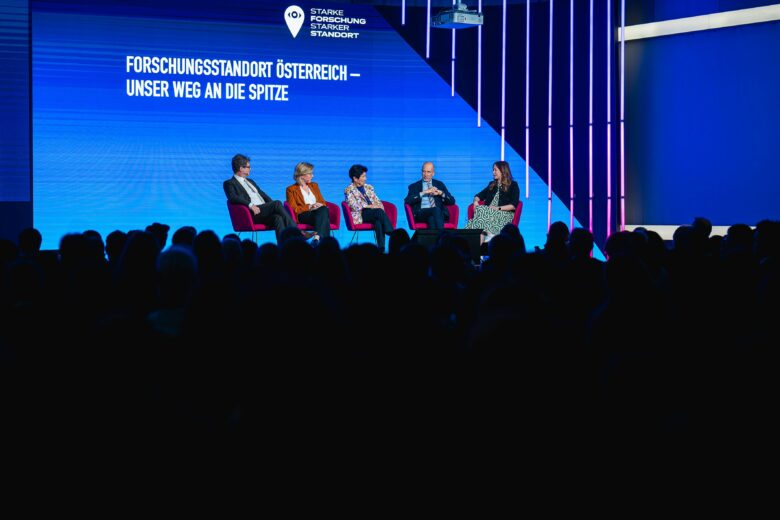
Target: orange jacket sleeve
<point>295,197</point>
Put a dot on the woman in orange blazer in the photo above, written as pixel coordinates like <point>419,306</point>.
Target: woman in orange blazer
<point>305,199</point>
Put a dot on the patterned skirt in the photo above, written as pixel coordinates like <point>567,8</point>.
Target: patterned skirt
<point>490,220</point>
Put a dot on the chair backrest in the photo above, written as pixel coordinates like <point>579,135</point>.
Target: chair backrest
<point>392,212</point>
<point>240,217</point>
<point>515,220</point>
<point>347,216</point>
<point>334,214</point>
<point>291,212</point>
<point>390,209</point>
<point>451,222</point>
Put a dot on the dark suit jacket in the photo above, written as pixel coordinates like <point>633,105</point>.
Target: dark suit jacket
<point>414,200</point>
<point>236,194</point>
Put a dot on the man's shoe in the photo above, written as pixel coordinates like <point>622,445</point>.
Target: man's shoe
<point>308,234</point>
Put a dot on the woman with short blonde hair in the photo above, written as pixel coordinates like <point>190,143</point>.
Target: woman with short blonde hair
<point>301,169</point>
<point>306,201</point>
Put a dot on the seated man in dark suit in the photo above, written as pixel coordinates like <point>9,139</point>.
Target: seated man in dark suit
<point>428,199</point>
<point>242,190</point>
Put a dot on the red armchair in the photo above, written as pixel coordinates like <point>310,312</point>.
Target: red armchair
<point>333,214</point>
<point>390,209</point>
<point>450,222</point>
<point>241,218</point>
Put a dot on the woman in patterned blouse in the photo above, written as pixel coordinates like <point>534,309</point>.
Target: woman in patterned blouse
<point>365,206</point>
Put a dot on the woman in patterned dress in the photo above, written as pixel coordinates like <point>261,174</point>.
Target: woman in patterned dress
<point>502,196</point>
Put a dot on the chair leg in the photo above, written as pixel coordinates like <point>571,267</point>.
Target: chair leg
<point>354,238</point>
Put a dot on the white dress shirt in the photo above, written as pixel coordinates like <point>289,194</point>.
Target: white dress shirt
<point>254,196</point>
<point>308,197</point>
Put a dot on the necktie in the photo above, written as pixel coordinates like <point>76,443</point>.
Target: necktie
<point>431,201</point>
<point>253,190</point>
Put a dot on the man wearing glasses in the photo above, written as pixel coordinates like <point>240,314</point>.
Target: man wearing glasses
<point>240,189</point>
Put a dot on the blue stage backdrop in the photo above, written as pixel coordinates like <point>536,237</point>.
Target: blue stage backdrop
<point>702,114</point>
<point>123,139</point>
<point>14,103</point>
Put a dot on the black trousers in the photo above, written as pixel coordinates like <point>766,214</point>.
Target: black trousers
<point>434,217</point>
<point>273,214</point>
<point>319,218</point>
<point>381,223</point>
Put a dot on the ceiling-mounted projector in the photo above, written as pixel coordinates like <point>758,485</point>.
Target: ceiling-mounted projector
<point>459,17</point>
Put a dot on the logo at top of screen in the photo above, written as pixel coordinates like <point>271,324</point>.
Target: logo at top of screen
<point>294,17</point>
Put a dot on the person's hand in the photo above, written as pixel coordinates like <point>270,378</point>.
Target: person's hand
<point>476,201</point>
<point>255,209</point>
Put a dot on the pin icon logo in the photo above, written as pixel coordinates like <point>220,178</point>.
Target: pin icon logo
<point>293,15</point>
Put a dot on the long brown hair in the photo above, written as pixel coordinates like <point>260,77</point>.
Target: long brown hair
<point>506,176</point>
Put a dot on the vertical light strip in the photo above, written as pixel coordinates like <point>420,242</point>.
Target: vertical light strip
<point>503,80</point>
<point>549,118</point>
<point>609,117</point>
<point>479,72</point>
<point>403,12</point>
<point>428,32</point>
<point>590,120</point>
<point>571,114</point>
<point>622,115</point>
<point>527,96</point>
<point>452,62</point>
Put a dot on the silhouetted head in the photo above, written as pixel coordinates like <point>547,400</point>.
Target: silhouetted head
<point>702,226</point>
<point>398,238</point>
<point>30,240</point>
<point>580,242</point>
<point>159,232</point>
<point>184,236</point>
<point>115,244</point>
<point>558,233</point>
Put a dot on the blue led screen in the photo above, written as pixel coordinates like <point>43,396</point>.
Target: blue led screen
<point>107,158</point>
<point>14,101</point>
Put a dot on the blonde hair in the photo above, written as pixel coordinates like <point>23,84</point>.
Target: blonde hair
<point>301,169</point>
